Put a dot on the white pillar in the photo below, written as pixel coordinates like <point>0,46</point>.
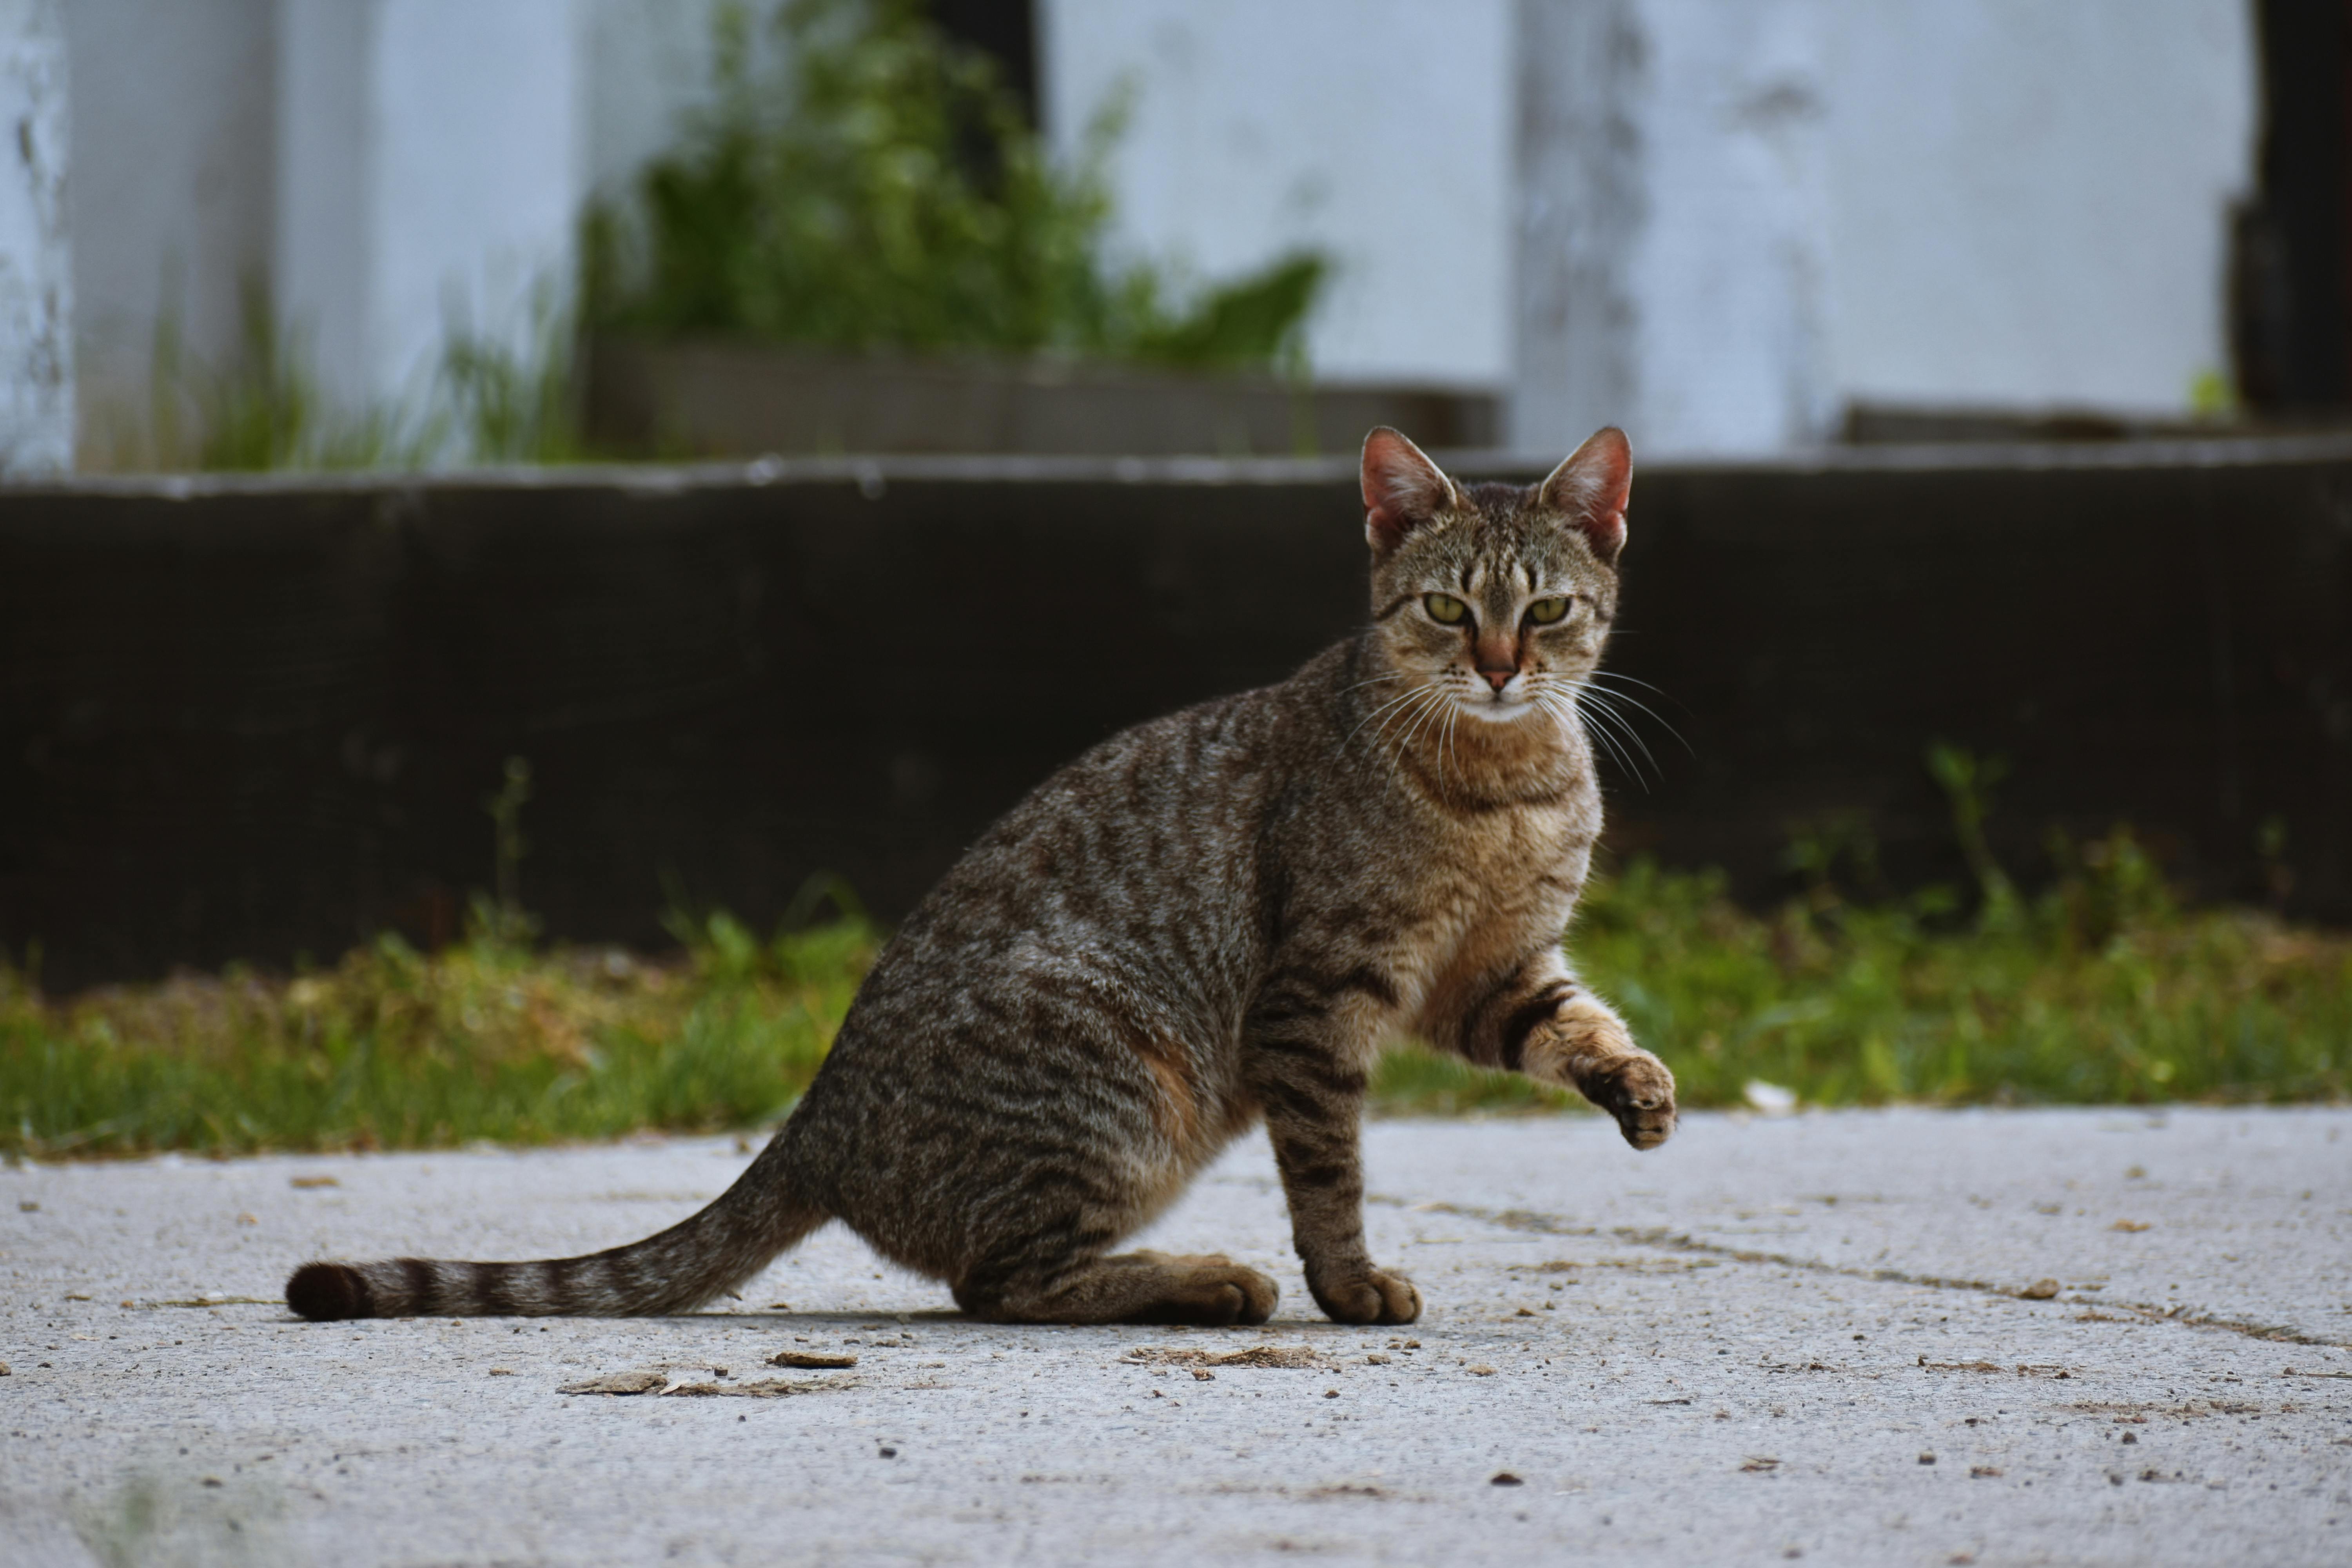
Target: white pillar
<point>1581,202</point>
<point>37,408</point>
<point>430,164</point>
<point>1673,226</point>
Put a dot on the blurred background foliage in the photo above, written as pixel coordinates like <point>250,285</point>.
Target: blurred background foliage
<point>861,182</point>
<point>871,183</point>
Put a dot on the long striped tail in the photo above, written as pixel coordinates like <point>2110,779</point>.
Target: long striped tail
<point>711,1252</point>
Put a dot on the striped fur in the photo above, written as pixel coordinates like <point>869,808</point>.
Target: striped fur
<point>1209,920</point>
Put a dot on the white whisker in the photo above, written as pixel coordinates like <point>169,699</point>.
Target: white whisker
<point>1376,712</point>
<point>1596,730</point>
<point>1603,704</point>
<point>1627,697</point>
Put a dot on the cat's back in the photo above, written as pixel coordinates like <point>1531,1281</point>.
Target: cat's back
<point>1147,844</point>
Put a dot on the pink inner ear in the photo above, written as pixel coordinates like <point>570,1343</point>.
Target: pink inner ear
<point>1401,486</point>
<point>1593,487</point>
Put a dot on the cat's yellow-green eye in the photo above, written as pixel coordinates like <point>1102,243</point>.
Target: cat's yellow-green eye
<point>1544,612</point>
<point>1446,609</point>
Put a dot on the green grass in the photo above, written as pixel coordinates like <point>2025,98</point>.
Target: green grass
<point>393,1048</point>
<point>2103,990</point>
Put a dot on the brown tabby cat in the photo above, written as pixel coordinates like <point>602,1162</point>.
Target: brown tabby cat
<point>1211,918</point>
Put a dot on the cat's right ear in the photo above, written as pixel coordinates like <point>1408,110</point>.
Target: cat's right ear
<point>1402,490</point>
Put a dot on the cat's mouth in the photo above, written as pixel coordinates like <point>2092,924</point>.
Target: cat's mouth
<point>1504,707</point>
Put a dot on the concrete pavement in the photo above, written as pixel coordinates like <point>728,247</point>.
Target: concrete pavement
<point>1902,1337</point>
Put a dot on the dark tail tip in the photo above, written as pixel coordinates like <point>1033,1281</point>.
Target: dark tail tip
<point>324,1293</point>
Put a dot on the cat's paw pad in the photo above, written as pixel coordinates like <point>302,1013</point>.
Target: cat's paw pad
<point>1639,1091</point>
<point>1375,1295</point>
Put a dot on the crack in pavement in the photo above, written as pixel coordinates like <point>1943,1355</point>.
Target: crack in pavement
<point>1665,1240</point>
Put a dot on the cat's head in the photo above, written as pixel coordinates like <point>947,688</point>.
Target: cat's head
<point>1496,597</point>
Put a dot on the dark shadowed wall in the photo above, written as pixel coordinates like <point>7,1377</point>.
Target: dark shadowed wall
<point>257,720</point>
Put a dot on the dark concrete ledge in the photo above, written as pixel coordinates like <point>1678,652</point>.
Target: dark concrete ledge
<point>2218,452</point>
<point>252,717</point>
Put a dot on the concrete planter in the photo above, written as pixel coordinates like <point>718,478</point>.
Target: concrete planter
<point>734,399</point>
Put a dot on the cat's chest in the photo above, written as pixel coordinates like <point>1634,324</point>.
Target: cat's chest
<point>1512,880</point>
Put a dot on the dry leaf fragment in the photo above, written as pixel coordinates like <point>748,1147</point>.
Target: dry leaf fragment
<point>1761,1462</point>
<point>2129,1226</point>
<point>812,1359</point>
<point>308,1182</point>
<point>618,1382</point>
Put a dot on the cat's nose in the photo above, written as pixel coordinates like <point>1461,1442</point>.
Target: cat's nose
<point>1498,678</point>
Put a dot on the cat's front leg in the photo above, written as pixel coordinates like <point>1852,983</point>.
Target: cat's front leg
<point>1305,1066</point>
<point>1541,1021</point>
<point>1586,1044</point>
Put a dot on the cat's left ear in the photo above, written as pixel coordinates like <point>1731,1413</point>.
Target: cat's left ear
<point>1591,487</point>
<point>1402,490</point>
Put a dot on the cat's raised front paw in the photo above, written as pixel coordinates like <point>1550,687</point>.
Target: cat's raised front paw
<point>1375,1295</point>
<point>1639,1091</point>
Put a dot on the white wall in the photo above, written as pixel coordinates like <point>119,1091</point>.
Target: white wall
<point>1377,130</point>
<point>648,69</point>
<point>1715,221</point>
<point>36,414</point>
<point>1810,203</point>
<point>171,192</point>
<point>431,163</point>
<point>2030,200</point>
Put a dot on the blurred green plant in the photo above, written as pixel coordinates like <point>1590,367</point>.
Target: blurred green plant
<point>872,183</point>
<point>487,399</point>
